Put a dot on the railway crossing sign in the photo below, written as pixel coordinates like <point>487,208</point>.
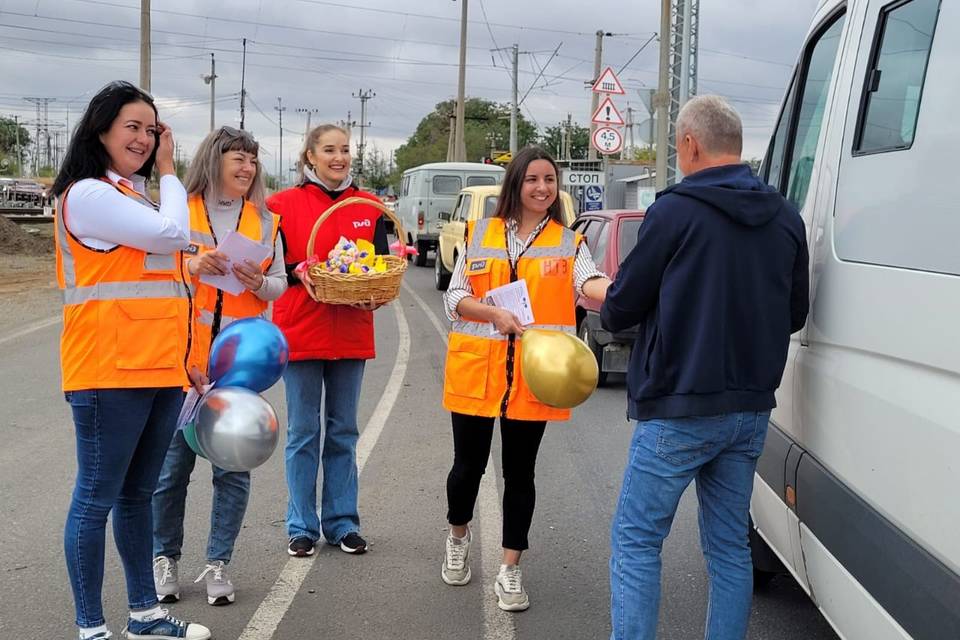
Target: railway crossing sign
<point>607,140</point>
<point>608,83</point>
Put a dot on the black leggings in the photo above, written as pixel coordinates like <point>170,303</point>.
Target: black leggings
<point>472,436</point>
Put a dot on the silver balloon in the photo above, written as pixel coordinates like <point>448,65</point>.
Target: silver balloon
<point>236,428</point>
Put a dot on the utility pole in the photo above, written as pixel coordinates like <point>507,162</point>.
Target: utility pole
<point>630,129</point>
<point>309,111</point>
<point>280,109</point>
<point>145,45</point>
<point>16,129</point>
<point>363,97</point>
<point>243,87</point>
<point>212,81</point>
<point>568,130</point>
<point>663,96</point>
<point>459,144</point>
<point>515,106</point>
<point>349,123</point>
<point>42,105</point>
<point>595,97</point>
<point>451,140</point>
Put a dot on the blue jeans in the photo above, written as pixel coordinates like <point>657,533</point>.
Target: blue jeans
<point>122,436</point>
<point>231,491</point>
<point>721,453</point>
<point>337,384</point>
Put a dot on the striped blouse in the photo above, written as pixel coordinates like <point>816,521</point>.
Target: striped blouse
<point>584,268</point>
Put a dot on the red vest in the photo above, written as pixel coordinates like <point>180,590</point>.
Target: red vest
<point>318,331</point>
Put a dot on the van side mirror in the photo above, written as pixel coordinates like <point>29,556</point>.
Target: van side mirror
<point>444,215</point>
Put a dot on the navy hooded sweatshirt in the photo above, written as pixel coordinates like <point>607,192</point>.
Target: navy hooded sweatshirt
<point>717,282</point>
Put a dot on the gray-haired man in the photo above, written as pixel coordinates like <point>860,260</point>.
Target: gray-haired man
<point>717,282</point>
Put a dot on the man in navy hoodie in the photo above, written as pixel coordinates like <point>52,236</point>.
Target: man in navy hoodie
<point>717,283</point>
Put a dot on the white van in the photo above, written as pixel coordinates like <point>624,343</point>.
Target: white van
<point>427,190</point>
<point>856,490</point>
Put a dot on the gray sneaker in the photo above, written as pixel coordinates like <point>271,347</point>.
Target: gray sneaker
<point>166,579</point>
<point>456,561</point>
<point>511,595</point>
<point>219,587</point>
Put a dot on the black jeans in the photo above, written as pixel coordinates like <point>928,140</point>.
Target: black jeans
<point>472,436</point>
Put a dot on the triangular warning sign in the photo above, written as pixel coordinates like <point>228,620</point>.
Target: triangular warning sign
<point>607,114</point>
<point>608,83</point>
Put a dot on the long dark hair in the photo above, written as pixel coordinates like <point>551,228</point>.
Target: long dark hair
<point>86,157</point>
<point>509,206</point>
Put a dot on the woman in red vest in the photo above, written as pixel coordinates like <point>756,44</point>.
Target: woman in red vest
<point>329,345</point>
<point>123,346</point>
<point>483,381</point>
<point>226,195</point>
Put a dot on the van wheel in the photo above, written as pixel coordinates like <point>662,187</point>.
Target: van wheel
<point>766,564</point>
<point>441,277</point>
<point>587,337</point>
<point>421,258</point>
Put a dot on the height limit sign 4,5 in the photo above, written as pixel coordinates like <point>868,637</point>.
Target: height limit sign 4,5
<point>607,140</point>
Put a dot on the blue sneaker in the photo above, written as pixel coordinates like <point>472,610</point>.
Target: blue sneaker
<point>164,628</point>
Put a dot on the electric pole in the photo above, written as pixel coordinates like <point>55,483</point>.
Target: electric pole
<point>363,97</point>
<point>515,106</point>
<point>595,97</point>
<point>309,111</point>
<point>243,88</point>
<point>145,45</point>
<point>349,123</point>
<point>212,81</point>
<point>16,129</point>
<point>663,96</point>
<point>42,105</point>
<point>630,129</point>
<point>280,109</point>
<point>459,144</point>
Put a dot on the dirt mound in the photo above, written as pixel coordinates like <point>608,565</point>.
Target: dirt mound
<point>15,240</point>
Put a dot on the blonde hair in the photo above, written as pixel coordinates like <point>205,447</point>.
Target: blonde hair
<point>205,169</point>
<point>312,139</point>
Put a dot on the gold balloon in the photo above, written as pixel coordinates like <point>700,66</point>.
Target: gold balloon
<point>559,368</point>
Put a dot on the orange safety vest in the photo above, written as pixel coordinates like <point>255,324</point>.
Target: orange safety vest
<point>259,226</point>
<point>125,312</point>
<point>483,376</point>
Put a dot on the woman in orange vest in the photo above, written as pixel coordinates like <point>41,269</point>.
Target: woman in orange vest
<point>123,350</point>
<point>226,194</point>
<point>329,345</point>
<point>525,240</point>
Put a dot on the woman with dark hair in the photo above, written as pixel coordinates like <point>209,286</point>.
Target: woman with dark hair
<point>226,194</point>
<point>124,345</point>
<point>483,381</point>
<point>329,345</point>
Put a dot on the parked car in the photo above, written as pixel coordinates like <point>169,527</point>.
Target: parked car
<point>427,190</point>
<point>855,493</point>
<point>611,234</point>
<point>473,203</point>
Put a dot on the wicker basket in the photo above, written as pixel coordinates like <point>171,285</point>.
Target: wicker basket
<point>351,288</point>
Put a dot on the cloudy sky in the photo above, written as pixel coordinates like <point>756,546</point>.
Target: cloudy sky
<point>317,55</point>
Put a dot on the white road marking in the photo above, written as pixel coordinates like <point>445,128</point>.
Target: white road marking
<point>30,328</point>
<point>497,624</point>
<point>265,620</point>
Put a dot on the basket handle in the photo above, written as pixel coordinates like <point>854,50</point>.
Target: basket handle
<point>376,204</point>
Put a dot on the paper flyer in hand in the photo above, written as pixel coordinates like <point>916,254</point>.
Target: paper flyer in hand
<point>237,247</point>
<point>513,297</point>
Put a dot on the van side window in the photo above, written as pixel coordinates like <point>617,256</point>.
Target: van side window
<point>894,83</point>
<point>447,185</point>
<point>793,147</point>
<point>405,188</point>
<point>476,181</point>
<point>811,105</point>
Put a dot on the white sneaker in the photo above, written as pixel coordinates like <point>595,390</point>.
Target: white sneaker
<point>511,595</point>
<point>219,587</point>
<point>166,580</point>
<point>456,561</point>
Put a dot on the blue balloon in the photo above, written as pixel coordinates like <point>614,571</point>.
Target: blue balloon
<point>251,353</point>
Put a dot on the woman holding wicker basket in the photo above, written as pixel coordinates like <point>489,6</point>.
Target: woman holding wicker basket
<point>329,343</point>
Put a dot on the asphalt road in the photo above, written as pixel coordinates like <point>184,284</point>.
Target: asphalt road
<point>394,591</point>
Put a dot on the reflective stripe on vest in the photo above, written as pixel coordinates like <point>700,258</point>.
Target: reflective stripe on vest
<point>483,330</point>
<point>142,289</point>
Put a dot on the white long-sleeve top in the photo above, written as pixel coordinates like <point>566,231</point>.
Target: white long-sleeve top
<point>101,217</point>
<point>584,268</point>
